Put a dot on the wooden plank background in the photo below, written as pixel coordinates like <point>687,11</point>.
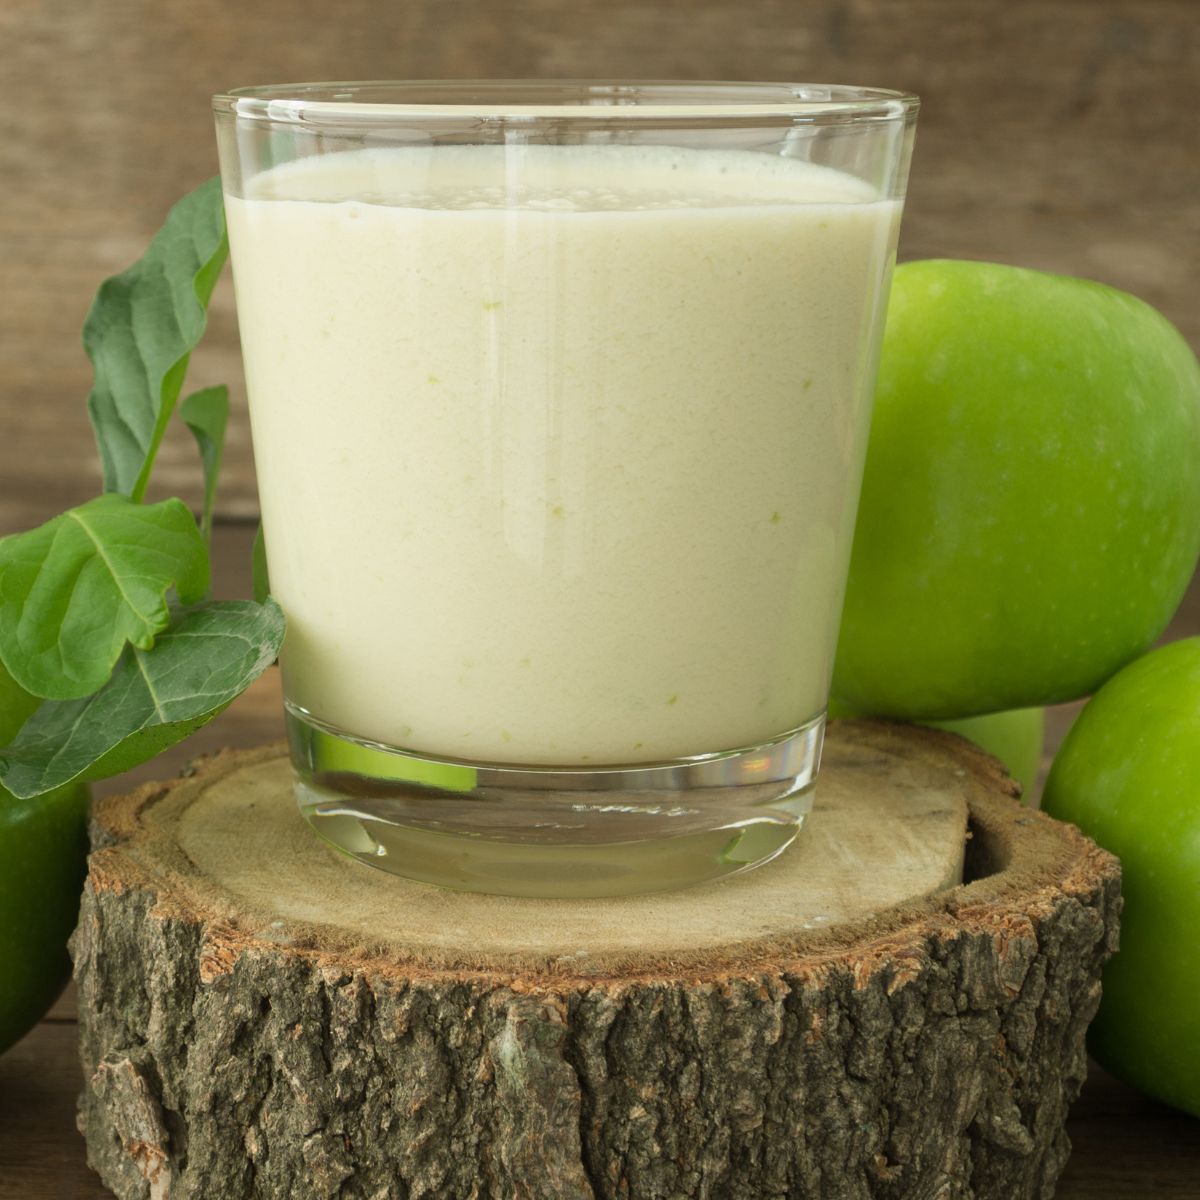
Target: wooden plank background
<point>1055,134</point>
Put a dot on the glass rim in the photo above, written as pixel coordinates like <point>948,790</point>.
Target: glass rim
<point>633,100</point>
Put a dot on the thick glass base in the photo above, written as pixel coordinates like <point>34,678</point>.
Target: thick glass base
<point>554,831</point>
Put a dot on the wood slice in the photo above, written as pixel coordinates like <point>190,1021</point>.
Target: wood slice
<point>262,1017</point>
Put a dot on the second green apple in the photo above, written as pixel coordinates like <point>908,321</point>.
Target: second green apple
<point>1016,738</point>
<point>1030,512</point>
<point>43,852</point>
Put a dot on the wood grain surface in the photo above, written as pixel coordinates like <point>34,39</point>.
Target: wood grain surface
<point>1054,133</point>
<point>776,1032</point>
<point>887,832</point>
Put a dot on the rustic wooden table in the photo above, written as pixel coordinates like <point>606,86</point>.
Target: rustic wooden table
<point>1127,1147</point>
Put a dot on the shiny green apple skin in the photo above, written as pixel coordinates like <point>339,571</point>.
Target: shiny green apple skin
<point>43,854</point>
<point>1030,512</point>
<point>1016,738</point>
<point>1128,774</point>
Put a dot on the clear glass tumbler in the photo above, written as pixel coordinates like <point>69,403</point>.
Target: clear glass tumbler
<point>559,396</point>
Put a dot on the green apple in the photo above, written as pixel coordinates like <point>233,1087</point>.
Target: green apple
<point>43,853</point>
<point>1030,512</point>
<point>1128,774</point>
<point>1015,738</point>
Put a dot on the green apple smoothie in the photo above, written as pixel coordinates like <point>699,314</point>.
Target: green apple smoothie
<point>559,446</point>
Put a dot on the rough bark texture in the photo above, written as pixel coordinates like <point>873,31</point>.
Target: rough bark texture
<point>928,1053</point>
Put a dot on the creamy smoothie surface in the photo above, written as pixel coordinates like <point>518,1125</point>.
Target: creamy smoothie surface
<point>559,447</point>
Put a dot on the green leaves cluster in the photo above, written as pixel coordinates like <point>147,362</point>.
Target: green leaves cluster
<point>75,590</point>
<point>109,651</point>
<point>140,333</point>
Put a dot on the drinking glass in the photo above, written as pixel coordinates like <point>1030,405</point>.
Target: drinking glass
<point>559,395</point>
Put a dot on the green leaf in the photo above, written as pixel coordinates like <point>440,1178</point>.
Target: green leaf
<point>143,326</point>
<point>16,706</point>
<point>75,590</point>
<point>262,581</point>
<point>155,698</point>
<point>206,414</point>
